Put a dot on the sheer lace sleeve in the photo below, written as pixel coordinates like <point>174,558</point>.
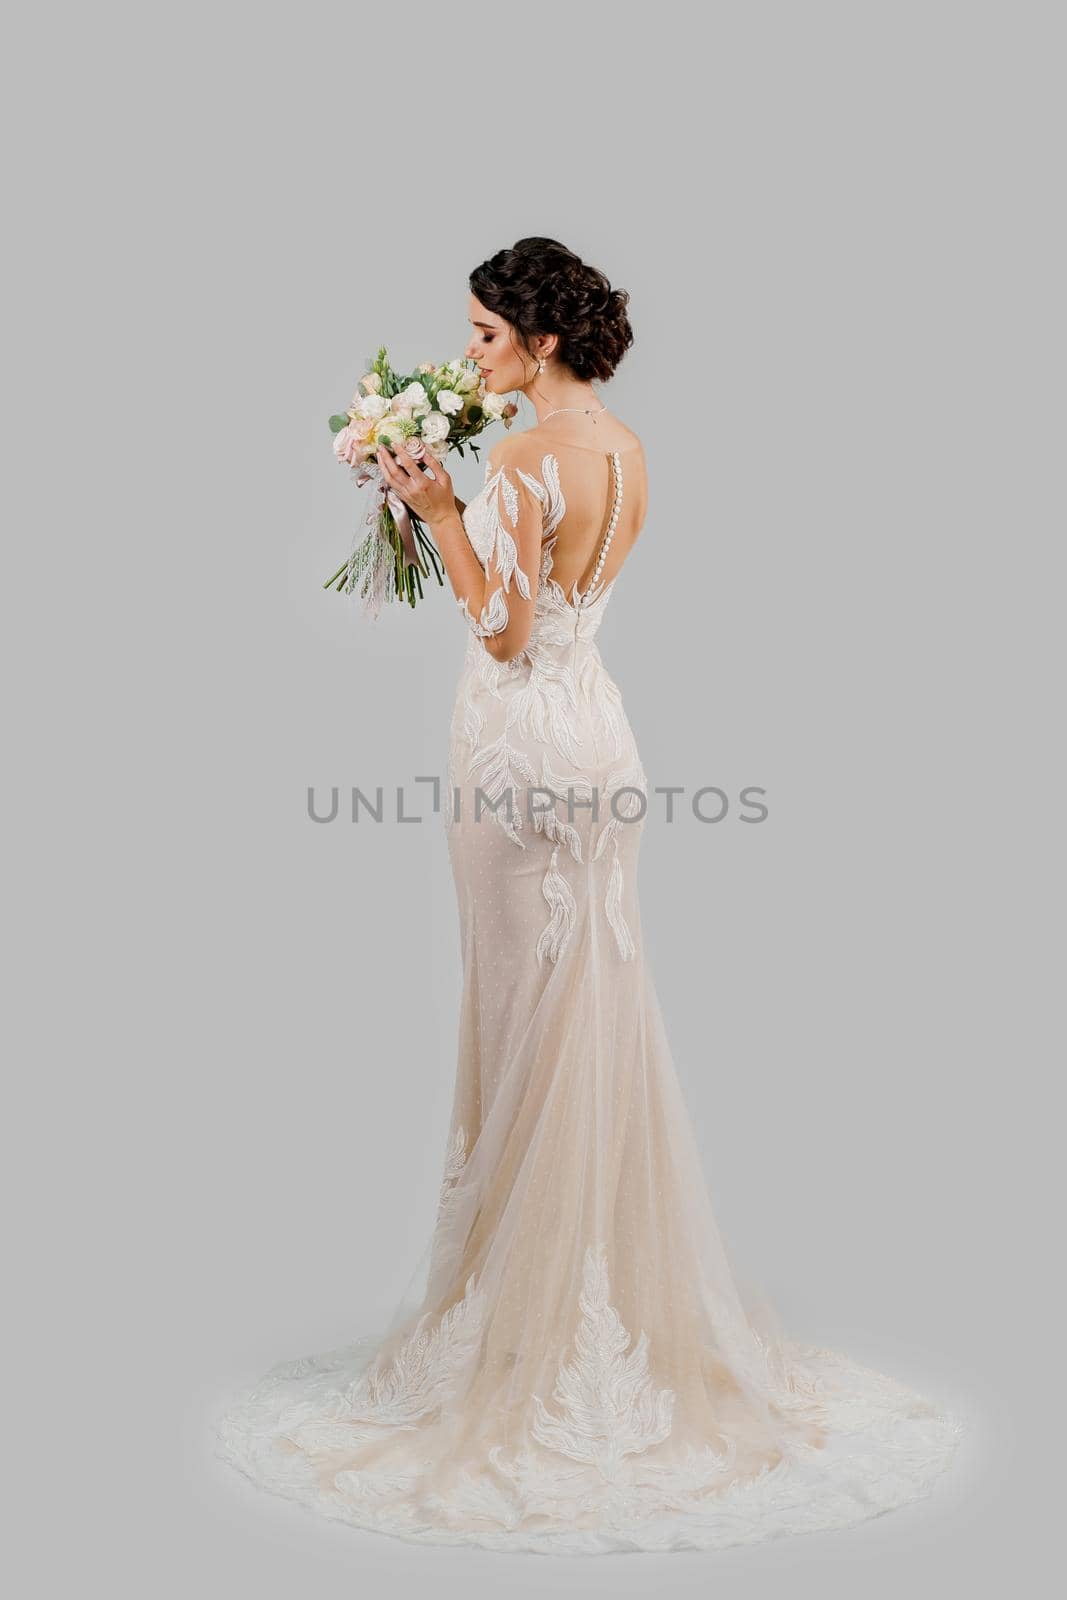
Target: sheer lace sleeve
<point>513,501</point>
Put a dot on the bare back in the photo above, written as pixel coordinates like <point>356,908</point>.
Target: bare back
<point>585,451</point>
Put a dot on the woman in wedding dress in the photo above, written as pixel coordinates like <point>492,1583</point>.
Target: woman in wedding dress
<point>579,1369</point>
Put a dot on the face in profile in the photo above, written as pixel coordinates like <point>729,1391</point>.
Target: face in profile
<point>492,345</point>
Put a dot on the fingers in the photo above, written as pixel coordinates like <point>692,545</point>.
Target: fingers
<point>401,481</point>
<point>391,470</point>
<point>409,478</point>
<point>391,476</point>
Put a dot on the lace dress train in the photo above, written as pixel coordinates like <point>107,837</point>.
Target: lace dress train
<point>580,1369</point>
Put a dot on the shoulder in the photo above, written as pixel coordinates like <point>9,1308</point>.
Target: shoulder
<point>536,442</point>
<point>525,462</point>
<point>516,450</point>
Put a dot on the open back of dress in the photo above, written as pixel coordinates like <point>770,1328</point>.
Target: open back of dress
<point>588,478</point>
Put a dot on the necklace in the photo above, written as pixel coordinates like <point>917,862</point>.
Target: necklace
<point>588,410</point>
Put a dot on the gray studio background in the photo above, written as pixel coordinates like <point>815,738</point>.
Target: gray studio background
<point>234,1031</point>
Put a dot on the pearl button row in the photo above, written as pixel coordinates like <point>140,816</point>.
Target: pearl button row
<point>617,466</point>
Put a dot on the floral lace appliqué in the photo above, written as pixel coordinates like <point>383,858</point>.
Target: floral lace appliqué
<point>425,1370</point>
<point>501,551</point>
<point>609,1407</point>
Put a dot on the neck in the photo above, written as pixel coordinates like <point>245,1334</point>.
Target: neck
<point>545,398</point>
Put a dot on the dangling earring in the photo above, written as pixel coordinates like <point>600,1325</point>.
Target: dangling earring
<point>541,364</point>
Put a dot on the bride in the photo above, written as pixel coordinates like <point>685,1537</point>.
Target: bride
<point>580,1370</point>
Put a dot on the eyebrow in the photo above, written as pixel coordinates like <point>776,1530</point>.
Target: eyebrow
<point>491,326</point>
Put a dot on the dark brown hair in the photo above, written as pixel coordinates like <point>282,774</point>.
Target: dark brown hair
<point>539,286</point>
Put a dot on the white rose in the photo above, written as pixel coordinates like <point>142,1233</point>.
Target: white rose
<point>449,402</point>
<point>372,406</point>
<point>438,449</point>
<point>493,406</point>
<point>466,383</point>
<point>370,384</point>
<point>435,428</point>
<point>415,397</point>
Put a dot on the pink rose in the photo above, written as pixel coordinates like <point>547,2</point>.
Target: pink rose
<point>348,446</point>
<point>415,448</point>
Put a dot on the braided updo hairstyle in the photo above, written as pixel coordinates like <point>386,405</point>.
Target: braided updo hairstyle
<point>539,286</point>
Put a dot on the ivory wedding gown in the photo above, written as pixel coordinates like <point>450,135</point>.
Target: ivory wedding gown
<point>579,1370</point>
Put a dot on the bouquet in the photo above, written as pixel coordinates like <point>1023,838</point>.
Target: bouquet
<point>445,408</point>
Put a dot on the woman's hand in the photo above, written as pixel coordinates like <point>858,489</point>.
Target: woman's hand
<point>430,495</point>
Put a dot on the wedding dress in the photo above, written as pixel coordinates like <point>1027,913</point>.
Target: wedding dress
<point>580,1369</point>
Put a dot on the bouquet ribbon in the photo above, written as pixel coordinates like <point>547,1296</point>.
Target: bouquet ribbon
<point>401,516</point>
